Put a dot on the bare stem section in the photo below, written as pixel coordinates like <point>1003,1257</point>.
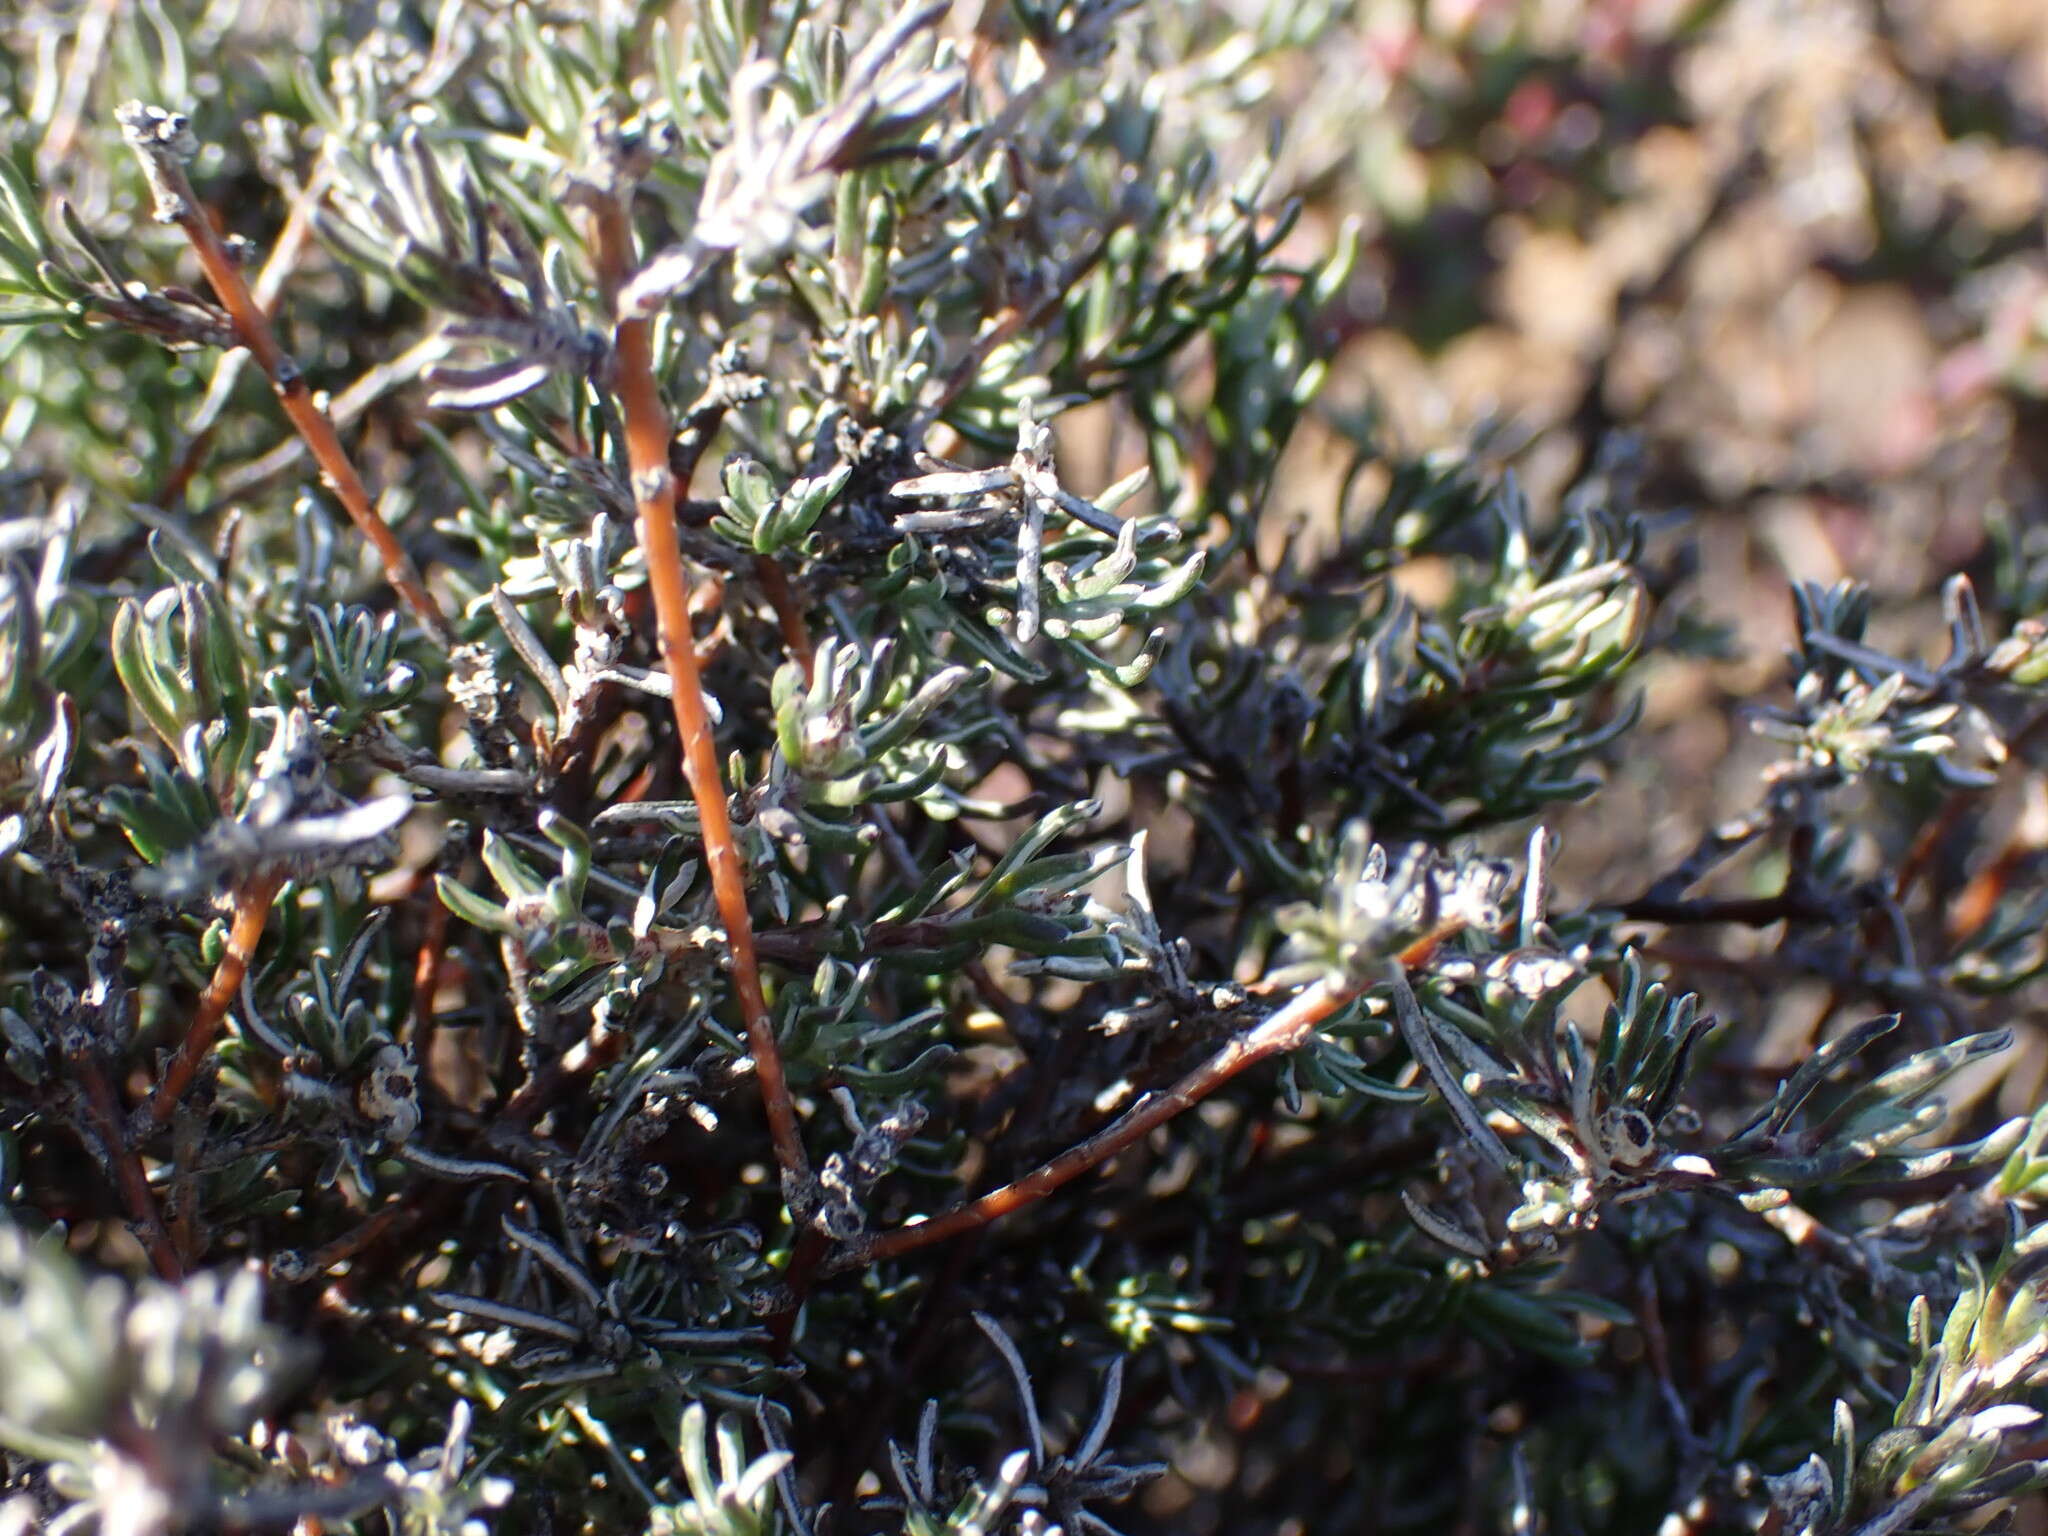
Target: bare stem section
<point>1282,1032</point>
<point>647,430</point>
<point>125,1164</point>
<point>245,931</point>
<point>1285,1030</point>
<point>164,142</point>
<point>789,617</point>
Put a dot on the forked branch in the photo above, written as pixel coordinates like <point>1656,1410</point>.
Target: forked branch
<point>163,142</point>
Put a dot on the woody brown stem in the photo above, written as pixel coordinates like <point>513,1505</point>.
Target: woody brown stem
<point>646,423</point>
<point>796,635</point>
<point>426,979</point>
<point>357,1238</point>
<point>598,1049</point>
<point>125,1165</point>
<point>152,136</point>
<point>245,930</point>
<point>1282,1031</point>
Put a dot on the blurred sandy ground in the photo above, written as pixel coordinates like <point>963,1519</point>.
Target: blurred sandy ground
<point>1794,247</point>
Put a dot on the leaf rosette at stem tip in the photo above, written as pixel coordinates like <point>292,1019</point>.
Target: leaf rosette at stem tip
<point>754,515</point>
<point>545,914</point>
<point>1562,620</point>
<point>735,1496</point>
<point>1859,711</point>
<point>1082,587</point>
<point>294,825</point>
<point>357,673</point>
<point>181,663</point>
<point>174,807</point>
<point>1380,904</point>
<point>785,149</point>
<point>1864,1135</point>
<point>854,732</point>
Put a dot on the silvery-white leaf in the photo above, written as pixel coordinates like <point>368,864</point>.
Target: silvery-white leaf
<point>669,275</point>
<point>344,829</point>
<point>487,387</point>
<point>955,482</point>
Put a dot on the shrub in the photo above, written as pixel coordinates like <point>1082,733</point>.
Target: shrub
<point>760,882</point>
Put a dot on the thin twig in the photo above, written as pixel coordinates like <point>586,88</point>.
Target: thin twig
<point>1280,1032</point>
<point>646,423</point>
<point>181,1197</point>
<point>1014,1015</point>
<point>245,930</point>
<point>162,140</point>
<point>344,408</point>
<point>1721,842</point>
<point>426,980</point>
<point>1013,320</point>
<point>1744,911</point>
<point>382,1221</point>
<point>268,289</point>
<point>598,1049</point>
<point>805,1262</point>
<point>125,1164</point>
<point>796,635</point>
<point>811,1244</point>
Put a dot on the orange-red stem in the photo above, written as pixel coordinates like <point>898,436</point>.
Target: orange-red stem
<point>126,1167</point>
<point>245,931</point>
<point>647,429</point>
<point>1285,1030</point>
<point>252,326</point>
<point>796,636</point>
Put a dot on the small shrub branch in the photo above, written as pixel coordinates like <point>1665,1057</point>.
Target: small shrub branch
<point>245,930</point>
<point>1284,1030</point>
<point>647,430</point>
<point>154,135</point>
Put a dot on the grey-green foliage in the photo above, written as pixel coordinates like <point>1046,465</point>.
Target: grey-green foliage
<point>737,1498</point>
<point>1056,776</point>
<point>1949,1449</point>
<point>120,1393</point>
